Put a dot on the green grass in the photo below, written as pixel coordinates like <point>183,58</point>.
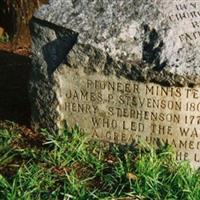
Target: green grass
<point>66,166</point>
<point>4,38</point>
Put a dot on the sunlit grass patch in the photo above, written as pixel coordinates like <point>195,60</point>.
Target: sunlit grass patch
<point>67,166</point>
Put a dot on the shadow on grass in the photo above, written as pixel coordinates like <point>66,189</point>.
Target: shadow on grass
<point>14,76</point>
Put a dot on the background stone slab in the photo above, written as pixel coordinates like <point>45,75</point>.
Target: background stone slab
<point>163,34</point>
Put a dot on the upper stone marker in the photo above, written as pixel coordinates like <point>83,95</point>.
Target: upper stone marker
<point>162,33</point>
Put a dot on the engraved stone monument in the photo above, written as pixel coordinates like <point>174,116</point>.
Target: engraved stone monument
<point>124,71</point>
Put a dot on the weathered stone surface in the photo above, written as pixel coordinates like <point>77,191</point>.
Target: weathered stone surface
<point>164,33</point>
<point>123,71</point>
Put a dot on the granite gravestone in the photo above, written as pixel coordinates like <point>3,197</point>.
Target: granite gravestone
<point>124,71</point>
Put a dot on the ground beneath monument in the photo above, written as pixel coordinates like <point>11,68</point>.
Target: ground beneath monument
<point>15,66</point>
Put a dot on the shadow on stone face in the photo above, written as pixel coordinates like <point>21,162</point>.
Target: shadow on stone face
<point>152,48</point>
<point>14,78</point>
<point>57,41</point>
<point>56,51</point>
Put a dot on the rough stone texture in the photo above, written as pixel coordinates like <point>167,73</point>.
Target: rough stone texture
<point>151,31</point>
<point>98,63</point>
<point>50,46</point>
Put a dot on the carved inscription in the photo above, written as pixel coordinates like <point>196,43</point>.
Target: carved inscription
<point>121,111</point>
<point>186,14</point>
